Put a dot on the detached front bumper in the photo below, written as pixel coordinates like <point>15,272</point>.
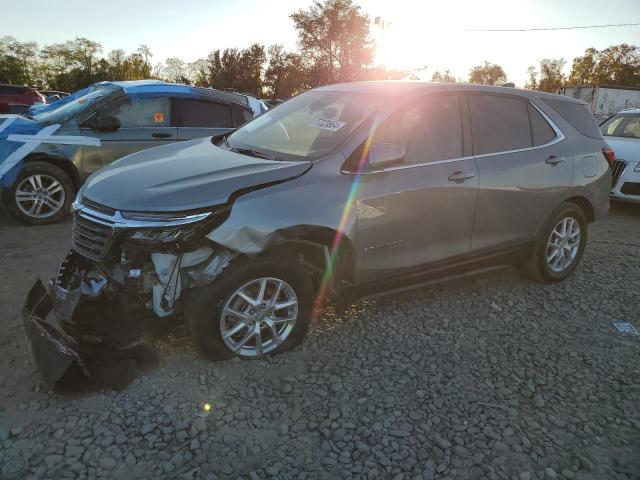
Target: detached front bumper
<point>80,332</point>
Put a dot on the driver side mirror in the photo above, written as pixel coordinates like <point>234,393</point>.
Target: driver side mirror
<point>382,155</point>
<point>105,123</point>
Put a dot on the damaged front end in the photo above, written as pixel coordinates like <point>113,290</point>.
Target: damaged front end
<point>122,273</point>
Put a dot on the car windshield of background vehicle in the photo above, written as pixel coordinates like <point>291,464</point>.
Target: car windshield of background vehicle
<point>309,126</point>
<point>70,109</point>
<point>622,126</point>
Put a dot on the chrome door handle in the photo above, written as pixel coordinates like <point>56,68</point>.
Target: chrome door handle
<point>460,176</point>
<point>553,160</point>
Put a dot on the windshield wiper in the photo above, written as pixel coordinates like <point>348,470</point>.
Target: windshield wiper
<point>253,153</point>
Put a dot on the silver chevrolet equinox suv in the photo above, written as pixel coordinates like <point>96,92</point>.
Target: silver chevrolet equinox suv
<point>342,192</point>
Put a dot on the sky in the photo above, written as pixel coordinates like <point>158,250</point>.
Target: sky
<point>431,34</point>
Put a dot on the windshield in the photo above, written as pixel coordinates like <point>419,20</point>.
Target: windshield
<point>72,108</point>
<point>624,125</point>
<point>309,126</point>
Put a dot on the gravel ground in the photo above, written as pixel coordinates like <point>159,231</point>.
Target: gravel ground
<point>482,377</point>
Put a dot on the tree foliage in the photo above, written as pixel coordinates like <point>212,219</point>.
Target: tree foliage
<point>487,74</point>
<point>68,66</point>
<point>445,77</point>
<point>333,35</point>
<point>551,76</point>
<point>615,65</point>
<point>532,78</point>
<point>285,74</point>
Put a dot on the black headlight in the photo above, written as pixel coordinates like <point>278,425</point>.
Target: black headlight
<point>170,228</point>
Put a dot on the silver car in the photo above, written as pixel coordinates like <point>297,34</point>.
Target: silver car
<point>339,193</point>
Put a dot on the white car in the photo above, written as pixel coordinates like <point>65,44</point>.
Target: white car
<point>622,132</point>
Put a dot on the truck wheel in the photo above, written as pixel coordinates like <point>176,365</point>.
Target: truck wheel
<point>41,194</point>
<point>258,307</point>
<point>560,245</point>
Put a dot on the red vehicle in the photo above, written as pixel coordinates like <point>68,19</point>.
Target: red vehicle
<point>19,95</point>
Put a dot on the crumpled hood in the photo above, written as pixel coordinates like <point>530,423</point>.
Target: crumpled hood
<point>183,176</point>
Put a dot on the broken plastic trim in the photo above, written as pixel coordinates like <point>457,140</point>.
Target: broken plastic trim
<point>82,331</point>
<point>53,350</point>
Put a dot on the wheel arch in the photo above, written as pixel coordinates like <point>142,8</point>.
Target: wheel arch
<point>585,205</point>
<point>61,162</point>
<point>315,248</point>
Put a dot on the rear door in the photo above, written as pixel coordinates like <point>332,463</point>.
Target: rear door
<point>525,166</point>
<point>145,122</point>
<point>420,211</point>
<point>195,118</point>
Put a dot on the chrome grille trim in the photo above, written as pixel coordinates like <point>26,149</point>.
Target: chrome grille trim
<point>617,169</point>
<point>94,231</point>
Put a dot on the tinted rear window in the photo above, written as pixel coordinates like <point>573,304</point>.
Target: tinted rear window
<point>541,131</point>
<point>197,113</point>
<point>499,123</point>
<point>578,115</point>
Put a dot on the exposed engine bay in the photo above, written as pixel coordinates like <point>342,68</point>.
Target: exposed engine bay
<point>94,313</point>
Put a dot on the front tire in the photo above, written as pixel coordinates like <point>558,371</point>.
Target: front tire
<point>560,245</point>
<point>42,194</point>
<point>258,307</point>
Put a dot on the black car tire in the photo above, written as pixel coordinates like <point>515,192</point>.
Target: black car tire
<point>50,171</point>
<point>205,305</point>
<point>538,267</point>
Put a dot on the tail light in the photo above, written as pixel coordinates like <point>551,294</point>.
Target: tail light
<point>609,154</point>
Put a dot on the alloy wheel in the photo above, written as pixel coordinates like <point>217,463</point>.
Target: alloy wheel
<point>563,244</point>
<point>40,196</point>
<point>259,316</point>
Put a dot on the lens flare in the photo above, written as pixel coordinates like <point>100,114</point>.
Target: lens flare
<point>346,212</point>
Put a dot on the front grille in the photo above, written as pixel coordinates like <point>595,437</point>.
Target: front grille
<point>98,207</point>
<point>630,188</point>
<point>617,169</point>
<point>91,238</point>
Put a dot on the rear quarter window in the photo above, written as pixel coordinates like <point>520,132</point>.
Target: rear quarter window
<point>541,131</point>
<point>198,113</point>
<point>578,115</point>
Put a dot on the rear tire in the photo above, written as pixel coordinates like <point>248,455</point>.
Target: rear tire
<point>208,310</point>
<point>560,245</point>
<point>42,194</point>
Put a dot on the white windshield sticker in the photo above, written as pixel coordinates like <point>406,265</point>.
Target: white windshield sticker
<point>326,124</point>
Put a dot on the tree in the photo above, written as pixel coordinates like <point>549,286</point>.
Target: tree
<point>174,70</point>
<point>285,74</point>
<point>18,61</point>
<point>487,74</point>
<point>615,65</point>
<point>532,82</point>
<point>70,65</point>
<point>551,76</point>
<point>445,77</point>
<point>145,53</point>
<point>234,69</point>
<point>334,36</point>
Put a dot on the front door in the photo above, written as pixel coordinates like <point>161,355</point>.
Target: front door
<point>144,123</point>
<point>419,211</point>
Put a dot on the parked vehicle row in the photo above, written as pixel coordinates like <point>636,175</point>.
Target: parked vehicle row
<point>46,155</point>
<point>340,192</point>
